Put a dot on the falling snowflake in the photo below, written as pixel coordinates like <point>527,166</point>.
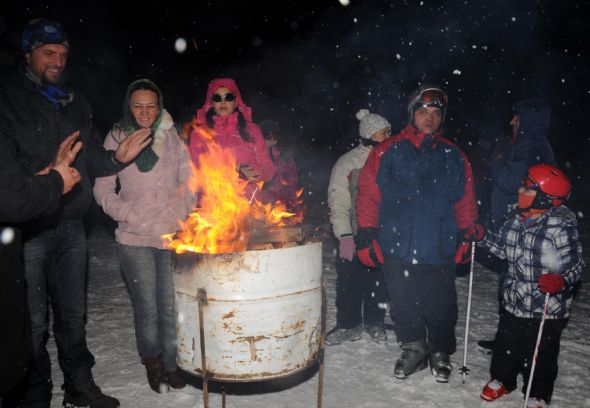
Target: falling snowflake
<point>7,236</point>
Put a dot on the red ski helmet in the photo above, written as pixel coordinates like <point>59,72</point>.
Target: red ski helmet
<point>552,185</point>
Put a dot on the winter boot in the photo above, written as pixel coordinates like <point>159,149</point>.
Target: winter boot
<point>440,365</point>
<point>338,334</point>
<point>155,374</point>
<point>486,346</point>
<point>88,396</point>
<point>377,333</point>
<point>414,358</point>
<point>493,390</point>
<point>175,380</point>
<point>536,403</point>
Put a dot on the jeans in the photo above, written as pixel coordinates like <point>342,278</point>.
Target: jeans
<point>55,271</point>
<point>147,272</point>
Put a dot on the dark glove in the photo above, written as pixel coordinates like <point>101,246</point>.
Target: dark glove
<point>475,233</point>
<point>551,283</point>
<point>463,254</point>
<point>367,247</point>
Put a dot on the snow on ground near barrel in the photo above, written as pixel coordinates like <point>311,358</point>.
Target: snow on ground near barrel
<point>357,374</point>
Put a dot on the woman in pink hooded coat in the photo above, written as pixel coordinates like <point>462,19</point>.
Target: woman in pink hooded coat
<point>226,114</point>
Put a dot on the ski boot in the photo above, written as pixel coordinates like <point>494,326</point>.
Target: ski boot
<point>377,333</point>
<point>414,358</point>
<point>440,365</point>
<point>339,334</point>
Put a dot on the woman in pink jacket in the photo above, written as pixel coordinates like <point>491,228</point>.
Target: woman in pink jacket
<point>226,114</point>
<point>152,197</point>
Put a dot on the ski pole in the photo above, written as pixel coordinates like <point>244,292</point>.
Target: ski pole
<point>536,353</point>
<point>463,370</point>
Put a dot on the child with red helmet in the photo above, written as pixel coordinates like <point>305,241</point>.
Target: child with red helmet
<point>544,256</point>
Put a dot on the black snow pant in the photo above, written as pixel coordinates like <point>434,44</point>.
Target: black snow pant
<point>359,290</point>
<point>423,303</point>
<point>514,349</point>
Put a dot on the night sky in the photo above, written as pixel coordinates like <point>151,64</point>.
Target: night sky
<point>311,65</point>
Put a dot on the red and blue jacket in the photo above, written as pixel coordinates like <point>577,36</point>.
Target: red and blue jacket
<point>418,191</point>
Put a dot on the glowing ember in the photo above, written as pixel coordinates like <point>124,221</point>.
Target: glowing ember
<point>227,207</point>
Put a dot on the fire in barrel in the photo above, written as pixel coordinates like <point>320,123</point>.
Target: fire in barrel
<point>262,314</point>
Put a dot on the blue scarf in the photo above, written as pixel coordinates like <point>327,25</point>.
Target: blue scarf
<point>56,94</point>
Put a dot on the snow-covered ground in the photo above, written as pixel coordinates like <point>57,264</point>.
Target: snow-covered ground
<point>357,374</point>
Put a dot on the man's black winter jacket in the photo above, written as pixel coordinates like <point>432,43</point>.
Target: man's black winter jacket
<point>34,129</point>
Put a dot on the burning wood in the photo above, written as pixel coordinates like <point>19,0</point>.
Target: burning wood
<point>228,209</point>
<point>276,234</point>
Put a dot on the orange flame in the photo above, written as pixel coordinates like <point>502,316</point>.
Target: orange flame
<point>226,208</point>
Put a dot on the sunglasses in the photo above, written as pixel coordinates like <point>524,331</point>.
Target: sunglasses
<point>434,97</point>
<point>228,97</point>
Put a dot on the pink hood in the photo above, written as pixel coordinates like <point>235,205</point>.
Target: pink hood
<point>232,86</point>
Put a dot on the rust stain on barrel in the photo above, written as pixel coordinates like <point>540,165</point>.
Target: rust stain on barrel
<point>229,314</point>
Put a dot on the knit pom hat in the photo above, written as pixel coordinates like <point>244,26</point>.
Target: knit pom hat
<point>371,123</point>
<point>42,31</point>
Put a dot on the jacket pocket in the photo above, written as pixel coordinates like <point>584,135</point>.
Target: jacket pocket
<point>397,237</point>
<point>447,238</point>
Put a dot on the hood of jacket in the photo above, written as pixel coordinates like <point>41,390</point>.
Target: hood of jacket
<point>230,84</point>
<point>535,116</point>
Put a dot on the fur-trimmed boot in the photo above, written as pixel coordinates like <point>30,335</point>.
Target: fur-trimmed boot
<point>155,373</point>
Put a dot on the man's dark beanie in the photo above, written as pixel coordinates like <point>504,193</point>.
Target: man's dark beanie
<point>42,31</point>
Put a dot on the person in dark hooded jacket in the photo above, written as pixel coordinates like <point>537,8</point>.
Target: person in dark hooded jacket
<point>530,145</point>
<point>530,126</point>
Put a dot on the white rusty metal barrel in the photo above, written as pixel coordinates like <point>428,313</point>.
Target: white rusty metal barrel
<point>262,319</point>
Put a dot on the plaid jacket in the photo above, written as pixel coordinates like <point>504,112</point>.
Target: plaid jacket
<point>549,245</point>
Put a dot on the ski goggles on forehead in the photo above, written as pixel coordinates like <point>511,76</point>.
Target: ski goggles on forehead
<point>228,97</point>
<point>433,97</point>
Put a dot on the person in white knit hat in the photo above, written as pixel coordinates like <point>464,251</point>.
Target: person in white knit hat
<point>360,289</point>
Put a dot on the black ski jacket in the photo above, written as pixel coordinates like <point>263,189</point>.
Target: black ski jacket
<point>34,129</point>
